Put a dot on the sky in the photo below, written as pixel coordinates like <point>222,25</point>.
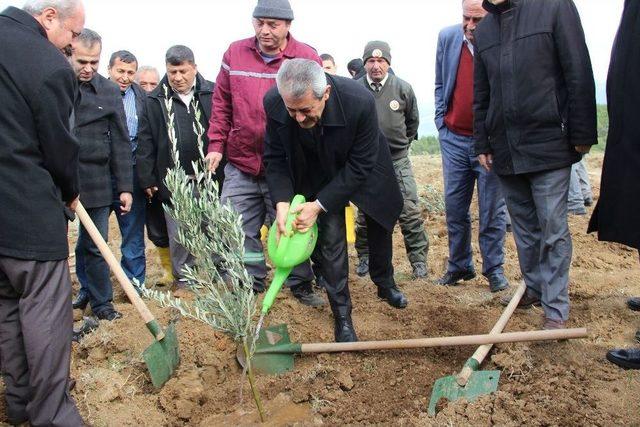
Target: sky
<point>339,27</point>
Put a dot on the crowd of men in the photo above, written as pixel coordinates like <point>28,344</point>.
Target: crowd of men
<point>515,112</point>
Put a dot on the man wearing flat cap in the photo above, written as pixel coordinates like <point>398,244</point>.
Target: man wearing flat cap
<point>398,119</point>
<point>329,124</point>
<point>237,127</point>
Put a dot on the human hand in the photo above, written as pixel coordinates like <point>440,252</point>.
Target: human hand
<point>126,200</point>
<point>583,149</point>
<point>213,159</point>
<point>486,161</point>
<point>306,216</point>
<point>73,204</point>
<point>282,210</point>
<point>150,192</point>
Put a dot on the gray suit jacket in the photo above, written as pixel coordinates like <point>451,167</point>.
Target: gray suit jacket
<point>450,42</point>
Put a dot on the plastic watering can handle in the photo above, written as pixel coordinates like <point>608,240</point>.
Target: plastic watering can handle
<point>283,243</point>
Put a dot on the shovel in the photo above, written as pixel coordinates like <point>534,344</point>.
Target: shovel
<point>161,357</point>
<point>470,383</point>
<point>274,350</point>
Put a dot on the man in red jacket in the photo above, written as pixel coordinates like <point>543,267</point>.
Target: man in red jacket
<point>237,129</point>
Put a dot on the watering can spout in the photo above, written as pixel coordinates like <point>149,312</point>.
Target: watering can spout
<point>279,277</point>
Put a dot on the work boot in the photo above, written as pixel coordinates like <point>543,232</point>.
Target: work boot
<point>305,295</point>
<point>81,301</point>
<point>625,358</point>
<point>551,324</point>
<point>497,282</point>
<point>393,296</point>
<point>344,331</point>
<point>165,262</point>
<point>452,278</point>
<point>88,325</point>
<point>420,270</point>
<point>363,267</point>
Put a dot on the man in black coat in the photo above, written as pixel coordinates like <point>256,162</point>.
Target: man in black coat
<point>616,217</point>
<point>534,114</point>
<point>185,86</point>
<point>323,141</point>
<point>105,157</point>
<point>38,177</point>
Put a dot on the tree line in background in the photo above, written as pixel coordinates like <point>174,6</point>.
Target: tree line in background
<point>430,145</point>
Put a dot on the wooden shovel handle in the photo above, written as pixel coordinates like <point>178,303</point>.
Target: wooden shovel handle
<point>557,334</point>
<point>115,266</point>
<point>482,351</point>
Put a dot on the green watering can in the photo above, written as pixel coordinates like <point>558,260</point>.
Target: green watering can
<point>292,249</point>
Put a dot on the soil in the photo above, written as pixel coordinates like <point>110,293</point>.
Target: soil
<point>552,383</point>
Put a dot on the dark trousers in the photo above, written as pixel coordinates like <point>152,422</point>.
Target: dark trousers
<point>92,270</point>
<point>156,223</point>
<point>335,261</point>
<point>36,324</point>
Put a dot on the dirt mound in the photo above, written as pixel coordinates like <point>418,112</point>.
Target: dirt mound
<point>555,383</point>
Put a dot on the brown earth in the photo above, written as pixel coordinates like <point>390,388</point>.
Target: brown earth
<point>556,383</point>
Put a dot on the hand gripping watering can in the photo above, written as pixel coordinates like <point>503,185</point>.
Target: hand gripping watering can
<point>292,249</point>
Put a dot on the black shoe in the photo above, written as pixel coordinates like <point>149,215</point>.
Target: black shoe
<point>588,201</point>
<point>420,270</point>
<point>305,295</point>
<point>108,314</point>
<point>497,282</point>
<point>634,303</point>
<point>81,301</point>
<point>393,296</point>
<point>88,325</point>
<point>451,278</point>
<point>363,267</point>
<point>625,358</point>
<point>344,331</point>
<point>528,300</point>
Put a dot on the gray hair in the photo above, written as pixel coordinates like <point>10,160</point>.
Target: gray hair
<point>64,7</point>
<point>297,76</point>
<point>178,54</point>
<point>89,38</point>
<point>146,69</point>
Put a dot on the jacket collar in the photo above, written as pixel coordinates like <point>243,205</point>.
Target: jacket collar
<point>333,114</point>
<point>498,9</point>
<point>291,51</point>
<point>203,86</point>
<point>24,18</point>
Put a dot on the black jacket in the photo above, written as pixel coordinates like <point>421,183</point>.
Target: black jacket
<point>617,214</point>
<point>534,94</point>
<point>154,149</point>
<point>105,150</point>
<point>38,154</point>
<point>353,154</point>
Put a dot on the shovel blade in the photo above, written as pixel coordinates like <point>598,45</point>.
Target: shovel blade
<point>480,383</point>
<point>162,357</point>
<point>268,357</point>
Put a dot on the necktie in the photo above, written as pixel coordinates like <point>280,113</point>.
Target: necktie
<point>376,86</point>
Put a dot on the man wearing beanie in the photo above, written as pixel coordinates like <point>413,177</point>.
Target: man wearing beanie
<point>398,119</point>
<point>237,128</point>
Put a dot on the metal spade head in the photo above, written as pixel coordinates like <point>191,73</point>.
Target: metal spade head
<point>163,356</point>
<point>480,383</point>
<point>273,352</point>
